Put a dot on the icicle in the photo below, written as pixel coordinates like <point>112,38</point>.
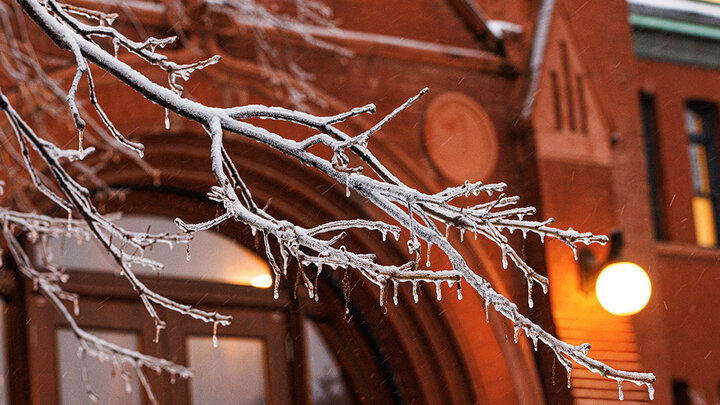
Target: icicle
<point>651,391</point>
<point>285,260</point>
<point>253,230</point>
<point>438,292</point>
<point>80,141</point>
<point>535,341</point>
<point>415,291</point>
<point>487,311</point>
<point>447,229</point>
<point>384,235</point>
<point>462,235</point>
<point>69,223</point>
<point>524,233</point>
<point>76,306</point>
<point>311,291</point>
<point>315,287</point>
<point>620,391</point>
<point>382,292</point>
<point>520,217</point>
<point>427,262</point>
<point>173,378</point>
<point>157,333</point>
<point>517,332</point>
<point>568,369</point>
<point>395,292</point>
<point>347,185</point>
<point>504,258</point>
<point>529,289</point>
<point>116,46</point>
<point>167,119</point>
<point>459,290</point>
<point>542,238</point>
<point>276,286</point>
<point>215,338</point>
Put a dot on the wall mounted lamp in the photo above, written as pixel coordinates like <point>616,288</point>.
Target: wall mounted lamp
<point>623,288</point>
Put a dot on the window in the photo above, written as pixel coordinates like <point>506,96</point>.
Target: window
<point>582,104</point>
<point>101,375</point>
<point>700,126</point>
<point>327,385</point>
<point>568,84</point>
<point>556,100</point>
<point>236,359</point>
<point>272,353</point>
<point>654,168</point>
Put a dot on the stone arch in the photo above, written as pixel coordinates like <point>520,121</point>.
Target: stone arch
<point>433,368</point>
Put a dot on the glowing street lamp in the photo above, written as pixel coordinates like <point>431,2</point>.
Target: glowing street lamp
<point>623,288</point>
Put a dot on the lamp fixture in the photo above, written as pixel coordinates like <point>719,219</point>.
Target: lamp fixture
<point>621,287</point>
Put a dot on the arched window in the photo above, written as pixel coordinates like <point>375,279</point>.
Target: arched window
<point>267,355</point>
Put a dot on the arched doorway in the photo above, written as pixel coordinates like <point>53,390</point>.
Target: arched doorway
<point>408,355</point>
<point>380,358</point>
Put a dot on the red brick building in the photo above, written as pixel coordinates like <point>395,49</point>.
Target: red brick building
<point>601,114</point>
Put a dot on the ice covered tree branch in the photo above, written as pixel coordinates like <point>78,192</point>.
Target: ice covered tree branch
<point>421,214</point>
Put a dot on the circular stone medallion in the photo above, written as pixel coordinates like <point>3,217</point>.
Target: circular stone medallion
<point>460,138</point>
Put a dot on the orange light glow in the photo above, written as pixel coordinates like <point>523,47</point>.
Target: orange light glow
<point>261,281</point>
<point>623,288</point>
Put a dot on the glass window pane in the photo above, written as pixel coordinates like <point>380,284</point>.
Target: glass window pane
<point>327,385</point>
<point>704,221</point>
<point>693,122</point>
<point>232,373</point>
<point>213,257</point>
<point>699,169</point>
<point>103,376</point>
<point>4,388</point>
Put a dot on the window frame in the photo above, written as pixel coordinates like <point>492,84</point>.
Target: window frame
<point>708,113</point>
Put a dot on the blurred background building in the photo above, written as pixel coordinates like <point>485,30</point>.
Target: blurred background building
<point>603,114</point>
